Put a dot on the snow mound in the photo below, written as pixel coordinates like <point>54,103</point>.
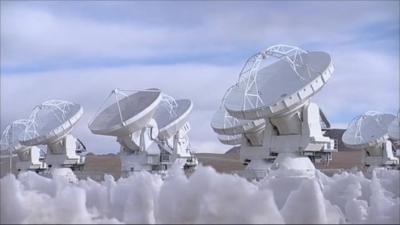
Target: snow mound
<point>204,197</point>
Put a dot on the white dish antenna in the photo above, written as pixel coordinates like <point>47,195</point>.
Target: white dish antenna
<point>274,87</point>
<point>394,128</point>
<point>171,120</point>
<point>51,121</point>
<point>140,120</point>
<point>230,139</point>
<point>11,136</point>
<point>127,114</point>
<point>277,80</point>
<point>367,130</point>
<point>224,124</point>
<point>28,157</point>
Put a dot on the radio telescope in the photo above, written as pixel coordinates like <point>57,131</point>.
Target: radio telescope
<point>369,132</point>
<point>246,133</point>
<point>394,128</point>
<point>50,124</point>
<point>150,126</point>
<point>28,156</point>
<point>394,134</point>
<point>226,125</point>
<point>173,127</point>
<point>276,85</point>
<point>129,118</point>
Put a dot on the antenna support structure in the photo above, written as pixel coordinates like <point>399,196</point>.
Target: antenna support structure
<point>273,92</point>
<point>151,128</point>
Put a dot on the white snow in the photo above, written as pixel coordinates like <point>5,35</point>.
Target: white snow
<point>204,197</point>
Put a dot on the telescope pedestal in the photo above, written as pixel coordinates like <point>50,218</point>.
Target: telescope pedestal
<point>62,153</point>
<point>254,155</point>
<point>138,161</point>
<point>178,150</point>
<point>380,155</point>
<point>29,159</point>
<point>139,151</point>
<point>290,136</point>
<point>298,132</point>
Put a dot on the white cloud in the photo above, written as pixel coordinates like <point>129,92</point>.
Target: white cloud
<point>362,81</point>
<point>42,33</point>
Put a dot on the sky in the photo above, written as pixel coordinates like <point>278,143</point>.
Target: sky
<point>81,50</point>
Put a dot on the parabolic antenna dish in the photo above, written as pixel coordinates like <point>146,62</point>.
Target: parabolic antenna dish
<point>224,124</point>
<point>126,114</point>
<point>11,135</point>
<point>169,121</point>
<point>278,80</point>
<point>394,129</point>
<point>230,139</point>
<point>50,121</point>
<point>367,130</point>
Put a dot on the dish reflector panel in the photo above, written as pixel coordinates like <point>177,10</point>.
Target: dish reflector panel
<point>170,121</point>
<point>127,113</point>
<point>11,136</point>
<point>225,124</point>
<point>50,121</point>
<point>230,139</point>
<point>367,130</point>
<point>394,129</point>
<point>270,87</point>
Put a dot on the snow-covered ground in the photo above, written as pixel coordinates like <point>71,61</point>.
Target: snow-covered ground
<point>204,197</point>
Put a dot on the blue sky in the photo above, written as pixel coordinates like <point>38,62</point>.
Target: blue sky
<point>81,50</point>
